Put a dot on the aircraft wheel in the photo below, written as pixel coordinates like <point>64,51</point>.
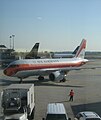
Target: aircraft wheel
<point>63,80</point>
<point>20,80</point>
<point>40,78</point>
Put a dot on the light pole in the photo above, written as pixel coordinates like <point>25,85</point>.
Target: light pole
<point>13,41</point>
<point>10,41</point>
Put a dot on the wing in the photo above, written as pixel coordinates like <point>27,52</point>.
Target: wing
<point>47,71</point>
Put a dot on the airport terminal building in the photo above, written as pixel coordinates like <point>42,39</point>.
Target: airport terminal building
<point>6,55</point>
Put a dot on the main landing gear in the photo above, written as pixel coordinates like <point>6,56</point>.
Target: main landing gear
<point>40,78</point>
<point>63,80</point>
<point>20,80</point>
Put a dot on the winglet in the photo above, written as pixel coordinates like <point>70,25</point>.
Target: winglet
<point>81,51</point>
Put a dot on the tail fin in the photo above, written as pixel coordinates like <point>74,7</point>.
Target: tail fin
<point>81,51</point>
<point>34,52</point>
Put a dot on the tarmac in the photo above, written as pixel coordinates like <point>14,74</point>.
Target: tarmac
<point>85,83</point>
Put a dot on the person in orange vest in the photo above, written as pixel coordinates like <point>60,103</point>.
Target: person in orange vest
<point>71,94</point>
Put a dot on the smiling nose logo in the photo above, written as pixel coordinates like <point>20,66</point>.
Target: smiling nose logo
<point>5,72</point>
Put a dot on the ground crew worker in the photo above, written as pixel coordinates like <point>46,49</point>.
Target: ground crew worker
<point>71,94</point>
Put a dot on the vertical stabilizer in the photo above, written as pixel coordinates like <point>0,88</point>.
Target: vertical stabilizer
<point>34,52</point>
<point>81,51</point>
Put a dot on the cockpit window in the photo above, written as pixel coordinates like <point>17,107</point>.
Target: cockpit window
<point>13,66</point>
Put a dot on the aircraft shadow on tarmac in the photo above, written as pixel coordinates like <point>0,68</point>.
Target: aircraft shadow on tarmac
<point>5,82</point>
<point>45,82</point>
<point>1,117</point>
<point>96,107</point>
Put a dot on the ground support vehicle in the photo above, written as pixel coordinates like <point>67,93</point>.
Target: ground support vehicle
<point>18,102</point>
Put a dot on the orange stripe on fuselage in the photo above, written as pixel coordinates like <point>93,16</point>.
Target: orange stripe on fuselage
<point>43,66</point>
<point>21,67</point>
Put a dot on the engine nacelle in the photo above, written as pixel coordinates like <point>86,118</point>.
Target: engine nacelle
<point>56,76</point>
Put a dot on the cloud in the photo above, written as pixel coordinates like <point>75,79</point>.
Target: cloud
<point>39,18</point>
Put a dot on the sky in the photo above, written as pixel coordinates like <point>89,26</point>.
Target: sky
<point>58,25</point>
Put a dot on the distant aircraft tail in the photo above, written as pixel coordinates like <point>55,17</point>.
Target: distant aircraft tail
<point>34,52</point>
<point>75,51</point>
<point>81,51</point>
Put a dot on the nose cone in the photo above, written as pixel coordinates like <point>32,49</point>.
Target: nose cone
<point>7,72</point>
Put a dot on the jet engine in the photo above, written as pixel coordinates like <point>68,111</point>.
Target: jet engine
<point>57,77</point>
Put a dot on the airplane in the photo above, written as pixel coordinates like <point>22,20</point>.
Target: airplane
<point>57,69</point>
<point>33,54</point>
<point>65,55</point>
